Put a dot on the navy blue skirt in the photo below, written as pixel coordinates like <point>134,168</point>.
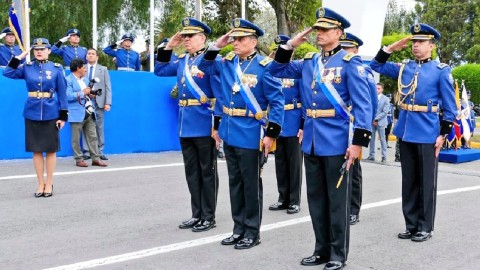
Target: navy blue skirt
<point>41,136</point>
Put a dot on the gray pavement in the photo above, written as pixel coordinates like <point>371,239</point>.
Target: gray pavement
<point>112,212</point>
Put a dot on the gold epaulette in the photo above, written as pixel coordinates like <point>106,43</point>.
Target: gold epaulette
<point>181,55</point>
<point>266,61</point>
<point>57,65</point>
<point>230,56</point>
<point>309,55</point>
<point>348,57</point>
<point>406,61</point>
<point>29,63</point>
<point>442,65</point>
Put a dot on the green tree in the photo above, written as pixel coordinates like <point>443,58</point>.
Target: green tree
<point>469,74</point>
<point>293,15</point>
<point>397,19</point>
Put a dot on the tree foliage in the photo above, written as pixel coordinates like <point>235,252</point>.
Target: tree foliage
<point>397,19</point>
<point>293,15</point>
<point>469,73</point>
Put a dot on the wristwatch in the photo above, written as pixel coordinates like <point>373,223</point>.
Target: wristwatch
<point>289,45</point>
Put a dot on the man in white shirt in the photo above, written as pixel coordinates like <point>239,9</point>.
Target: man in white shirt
<point>102,102</point>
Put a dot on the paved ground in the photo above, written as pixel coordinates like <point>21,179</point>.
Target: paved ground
<point>132,212</point>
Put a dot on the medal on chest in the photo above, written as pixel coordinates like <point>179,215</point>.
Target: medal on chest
<point>49,74</point>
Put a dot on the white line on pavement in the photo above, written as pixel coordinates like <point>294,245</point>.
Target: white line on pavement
<point>219,237</point>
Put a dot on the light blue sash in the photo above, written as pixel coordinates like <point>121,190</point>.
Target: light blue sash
<point>193,87</point>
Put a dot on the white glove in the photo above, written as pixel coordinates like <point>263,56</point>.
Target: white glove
<point>3,35</point>
<point>64,39</point>
<point>119,42</point>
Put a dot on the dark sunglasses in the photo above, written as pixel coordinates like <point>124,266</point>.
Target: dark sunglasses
<point>184,36</point>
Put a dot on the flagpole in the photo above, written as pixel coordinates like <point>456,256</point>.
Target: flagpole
<point>152,40</point>
<point>243,9</point>
<point>94,25</point>
<point>27,27</point>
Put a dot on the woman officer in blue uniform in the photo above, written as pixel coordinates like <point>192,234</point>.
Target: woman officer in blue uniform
<point>45,110</point>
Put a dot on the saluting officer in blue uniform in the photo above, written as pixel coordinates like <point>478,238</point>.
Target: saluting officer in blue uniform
<point>288,153</point>
<point>197,92</point>
<point>422,83</point>
<point>127,59</point>
<point>9,49</point>
<point>350,43</point>
<point>45,109</point>
<point>388,129</point>
<point>248,89</point>
<point>332,82</point>
<point>472,112</point>
<point>71,51</point>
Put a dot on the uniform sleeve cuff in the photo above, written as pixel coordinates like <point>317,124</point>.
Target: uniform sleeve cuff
<point>302,123</point>
<point>273,130</point>
<point>361,137</point>
<point>164,56</point>
<point>58,44</point>
<point>210,55</point>
<point>283,56</point>
<point>382,56</point>
<point>446,127</point>
<point>113,46</point>
<point>216,122</point>
<point>63,115</point>
<point>14,63</point>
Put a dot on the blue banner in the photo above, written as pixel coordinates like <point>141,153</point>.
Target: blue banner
<point>16,20</point>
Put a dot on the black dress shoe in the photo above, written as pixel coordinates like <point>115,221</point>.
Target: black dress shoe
<point>39,194</point>
<point>421,236</point>
<point>232,240</point>
<point>247,243</point>
<point>397,160</point>
<point>370,158</point>
<point>277,206</point>
<point>334,265</point>
<point>314,260</point>
<point>103,157</point>
<point>293,209</point>
<point>85,157</point>
<point>407,234</point>
<point>189,223</point>
<point>204,225</point>
<point>46,195</point>
<point>354,219</point>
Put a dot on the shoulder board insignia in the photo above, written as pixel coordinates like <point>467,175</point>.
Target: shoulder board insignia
<point>84,48</point>
<point>309,55</point>
<point>348,57</point>
<point>181,55</point>
<point>442,65</point>
<point>57,65</point>
<point>1,44</point>
<point>406,61</point>
<point>266,61</point>
<point>29,63</point>
<point>230,56</point>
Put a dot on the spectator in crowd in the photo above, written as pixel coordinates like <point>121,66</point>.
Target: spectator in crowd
<point>9,49</point>
<point>388,129</point>
<point>45,110</point>
<point>71,51</point>
<point>126,58</point>
<point>379,124</point>
<point>102,102</point>
<point>145,56</point>
<point>81,113</point>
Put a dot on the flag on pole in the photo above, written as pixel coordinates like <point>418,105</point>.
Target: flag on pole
<point>466,123</point>
<point>16,20</point>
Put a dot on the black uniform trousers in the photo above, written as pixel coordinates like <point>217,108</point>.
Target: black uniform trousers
<point>419,185</point>
<point>329,206</point>
<point>387,131</point>
<point>356,200</point>
<point>288,168</point>
<point>246,190</point>
<point>199,157</point>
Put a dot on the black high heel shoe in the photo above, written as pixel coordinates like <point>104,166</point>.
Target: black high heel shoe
<point>39,194</point>
<point>48,194</point>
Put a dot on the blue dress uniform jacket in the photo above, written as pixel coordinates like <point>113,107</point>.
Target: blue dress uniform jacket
<point>41,76</point>
<point>372,85</point>
<point>125,58</point>
<point>244,131</point>
<point>69,52</point>
<point>293,117</point>
<point>7,52</point>
<point>76,111</point>
<point>390,115</point>
<point>329,135</point>
<point>193,121</point>
<point>434,83</point>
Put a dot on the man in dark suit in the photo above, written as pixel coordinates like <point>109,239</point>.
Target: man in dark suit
<point>102,103</point>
